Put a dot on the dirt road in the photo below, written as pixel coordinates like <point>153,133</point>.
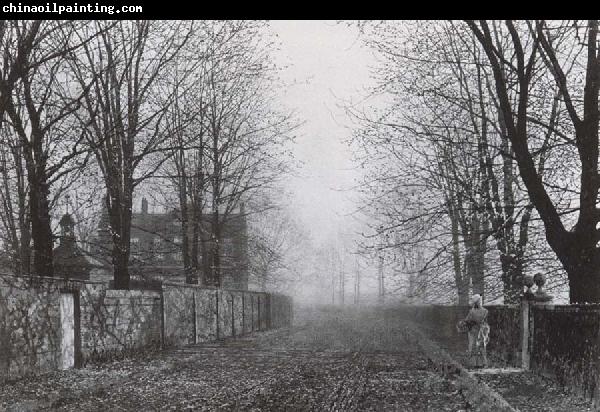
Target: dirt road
<point>332,360</point>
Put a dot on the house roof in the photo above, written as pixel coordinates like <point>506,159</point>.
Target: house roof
<point>67,219</point>
<point>169,223</point>
<point>69,255</point>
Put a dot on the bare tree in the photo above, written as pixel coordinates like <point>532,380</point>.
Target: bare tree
<point>246,136</point>
<point>445,101</point>
<point>186,169</point>
<point>276,246</point>
<point>39,112</point>
<point>14,211</point>
<point>554,48</point>
<point>17,40</point>
<point>124,112</point>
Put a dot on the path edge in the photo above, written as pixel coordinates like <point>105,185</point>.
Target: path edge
<point>477,393</point>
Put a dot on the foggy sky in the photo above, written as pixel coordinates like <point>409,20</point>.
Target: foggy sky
<point>326,65</point>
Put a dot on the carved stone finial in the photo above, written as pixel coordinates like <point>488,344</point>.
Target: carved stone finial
<point>540,294</point>
<point>539,279</point>
<point>528,283</point>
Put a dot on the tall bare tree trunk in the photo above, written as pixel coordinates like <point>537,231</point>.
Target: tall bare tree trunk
<point>461,278</point>
<point>41,232</point>
<point>119,213</point>
<point>575,248</point>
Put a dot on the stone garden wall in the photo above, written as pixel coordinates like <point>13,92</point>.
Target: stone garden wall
<point>563,341</point>
<point>441,320</point>
<point>116,321</point>
<point>29,327</point>
<point>281,311</point>
<point>565,346</point>
<point>106,323</point>
<point>505,332</point>
<point>193,314</point>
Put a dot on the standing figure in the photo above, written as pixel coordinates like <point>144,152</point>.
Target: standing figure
<point>478,331</point>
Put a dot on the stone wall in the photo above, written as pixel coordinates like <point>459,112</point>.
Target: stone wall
<point>178,315</point>
<point>30,332</point>
<point>116,321</point>
<point>105,323</point>
<point>505,332</point>
<point>255,312</point>
<point>441,320</point>
<point>563,341</point>
<point>193,314</point>
<point>281,311</point>
<point>224,314</point>
<point>263,311</point>
<point>566,346</point>
<point>238,313</point>
<point>248,326</point>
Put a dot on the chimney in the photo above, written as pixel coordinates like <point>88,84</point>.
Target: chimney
<point>144,206</point>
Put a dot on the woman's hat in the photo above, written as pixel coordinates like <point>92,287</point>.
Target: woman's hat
<point>475,299</point>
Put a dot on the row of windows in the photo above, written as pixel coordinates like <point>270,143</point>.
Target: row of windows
<point>159,243</point>
<point>176,257</point>
<point>157,240</point>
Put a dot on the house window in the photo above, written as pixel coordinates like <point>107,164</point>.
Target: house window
<point>135,245</point>
<point>178,257</point>
<point>227,248</point>
<point>157,248</point>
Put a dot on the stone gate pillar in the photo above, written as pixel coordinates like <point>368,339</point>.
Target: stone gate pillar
<point>525,332</point>
<point>528,300</point>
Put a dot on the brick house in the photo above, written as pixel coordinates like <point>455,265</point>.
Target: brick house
<point>156,246</point>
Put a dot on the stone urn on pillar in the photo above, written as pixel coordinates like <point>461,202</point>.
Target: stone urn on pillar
<point>528,282</point>
<point>540,294</point>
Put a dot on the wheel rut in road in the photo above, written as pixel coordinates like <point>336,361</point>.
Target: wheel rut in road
<point>332,361</point>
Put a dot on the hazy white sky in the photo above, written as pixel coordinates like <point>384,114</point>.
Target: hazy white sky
<point>326,64</point>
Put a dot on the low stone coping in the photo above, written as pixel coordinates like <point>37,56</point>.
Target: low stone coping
<point>117,293</point>
<point>496,371</point>
<point>167,285</point>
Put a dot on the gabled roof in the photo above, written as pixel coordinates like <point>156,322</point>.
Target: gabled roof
<point>67,220</point>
